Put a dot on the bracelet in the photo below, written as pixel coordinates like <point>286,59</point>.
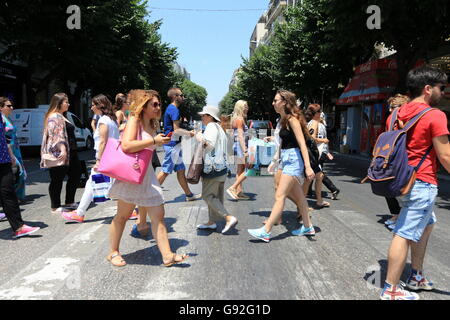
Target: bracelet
<point>154,142</point>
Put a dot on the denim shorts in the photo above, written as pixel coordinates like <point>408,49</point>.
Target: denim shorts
<point>417,211</point>
<point>292,163</point>
<point>173,159</point>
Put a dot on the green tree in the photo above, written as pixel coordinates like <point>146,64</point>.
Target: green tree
<point>195,98</point>
<point>308,61</point>
<point>413,28</point>
<point>226,105</point>
<point>256,84</point>
<point>115,50</point>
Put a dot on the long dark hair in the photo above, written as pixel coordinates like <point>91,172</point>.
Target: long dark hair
<point>120,100</point>
<point>55,105</point>
<point>312,110</point>
<point>105,106</point>
<point>292,110</point>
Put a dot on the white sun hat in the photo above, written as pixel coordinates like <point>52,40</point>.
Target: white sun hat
<point>212,111</point>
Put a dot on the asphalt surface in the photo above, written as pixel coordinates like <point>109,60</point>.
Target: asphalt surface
<point>346,260</point>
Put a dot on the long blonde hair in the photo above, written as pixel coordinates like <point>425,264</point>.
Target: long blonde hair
<point>238,111</point>
<point>138,102</point>
<point>55,104</point>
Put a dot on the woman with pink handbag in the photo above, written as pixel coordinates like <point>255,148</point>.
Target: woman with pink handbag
<point>140,134</point>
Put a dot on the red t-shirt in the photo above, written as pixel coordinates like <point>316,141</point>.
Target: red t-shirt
<point>420,137</point>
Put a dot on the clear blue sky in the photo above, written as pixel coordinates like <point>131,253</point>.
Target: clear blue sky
<point>210,44</point>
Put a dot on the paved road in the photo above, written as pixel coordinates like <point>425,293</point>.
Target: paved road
<point>67,261</point>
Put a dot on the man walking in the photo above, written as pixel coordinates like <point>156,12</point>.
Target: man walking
<point>7,193</point>
<point>417,219</point>
<point>173,159</point>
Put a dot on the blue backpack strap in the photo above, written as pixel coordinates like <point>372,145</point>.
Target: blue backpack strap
<point>393,119</point>
<point>414,120</point>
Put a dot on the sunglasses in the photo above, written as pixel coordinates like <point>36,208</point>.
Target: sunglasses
<point>8,105</point>
<point>442,88</point>
<point>156,104</point>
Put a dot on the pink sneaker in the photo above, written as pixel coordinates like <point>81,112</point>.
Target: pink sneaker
<point>72,216</point>
<point>25,231</point>
<point>134,215</point>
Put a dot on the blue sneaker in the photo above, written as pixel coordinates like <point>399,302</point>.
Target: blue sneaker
<point>260,234</point>
<point>391,292</point>
<point>135,233</point>
<point>304,231</point>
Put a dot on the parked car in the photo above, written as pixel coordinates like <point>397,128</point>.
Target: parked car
<point>260,124</point>
<point>30,127</point>
<point>263,125</point>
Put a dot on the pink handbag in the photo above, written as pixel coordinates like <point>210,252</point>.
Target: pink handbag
<point>128,167</point>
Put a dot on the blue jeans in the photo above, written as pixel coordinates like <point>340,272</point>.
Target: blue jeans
<point>417,211</point>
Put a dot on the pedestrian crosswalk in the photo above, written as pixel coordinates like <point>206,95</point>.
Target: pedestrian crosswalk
<point>346,259</point>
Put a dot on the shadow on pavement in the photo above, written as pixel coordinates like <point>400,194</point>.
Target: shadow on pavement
<point>178,199</point>
<point>376,276</point>
<point>8,233</point>
<point>152,257</point>
<point>30,198</point>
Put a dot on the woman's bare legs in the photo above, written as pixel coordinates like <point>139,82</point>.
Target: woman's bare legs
<point>159,231</point>
<point>240,178</point>
<point>284,188</point>
<point>124,211</point>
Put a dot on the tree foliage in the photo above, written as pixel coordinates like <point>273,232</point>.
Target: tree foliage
<point>195,98</point>
<point>115,50</point>
<point>315,51</point>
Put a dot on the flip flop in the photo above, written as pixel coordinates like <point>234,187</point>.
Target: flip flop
<point>121,262</point>
<point>171,263</point>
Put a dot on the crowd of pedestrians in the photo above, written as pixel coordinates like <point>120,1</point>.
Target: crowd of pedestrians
<point>301,150</point>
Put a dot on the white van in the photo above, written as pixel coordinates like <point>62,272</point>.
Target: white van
<point>30,127</point>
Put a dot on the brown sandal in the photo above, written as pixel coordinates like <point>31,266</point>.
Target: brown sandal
<point>111,258</point>
<point>174,261</point>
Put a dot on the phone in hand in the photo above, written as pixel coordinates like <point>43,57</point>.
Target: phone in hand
<point>169,134</point>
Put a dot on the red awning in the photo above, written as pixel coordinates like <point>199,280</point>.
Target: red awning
<point>373,81</point>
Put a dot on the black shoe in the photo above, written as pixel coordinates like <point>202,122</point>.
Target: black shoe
<point>335,194</point>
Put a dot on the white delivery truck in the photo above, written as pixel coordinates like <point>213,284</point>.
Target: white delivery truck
<point>30,127</point>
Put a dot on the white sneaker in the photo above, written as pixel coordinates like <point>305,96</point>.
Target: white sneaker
<point>207,227</point>
<point>390,222</point>
<point>233,222</point>
<point>194,197</point>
